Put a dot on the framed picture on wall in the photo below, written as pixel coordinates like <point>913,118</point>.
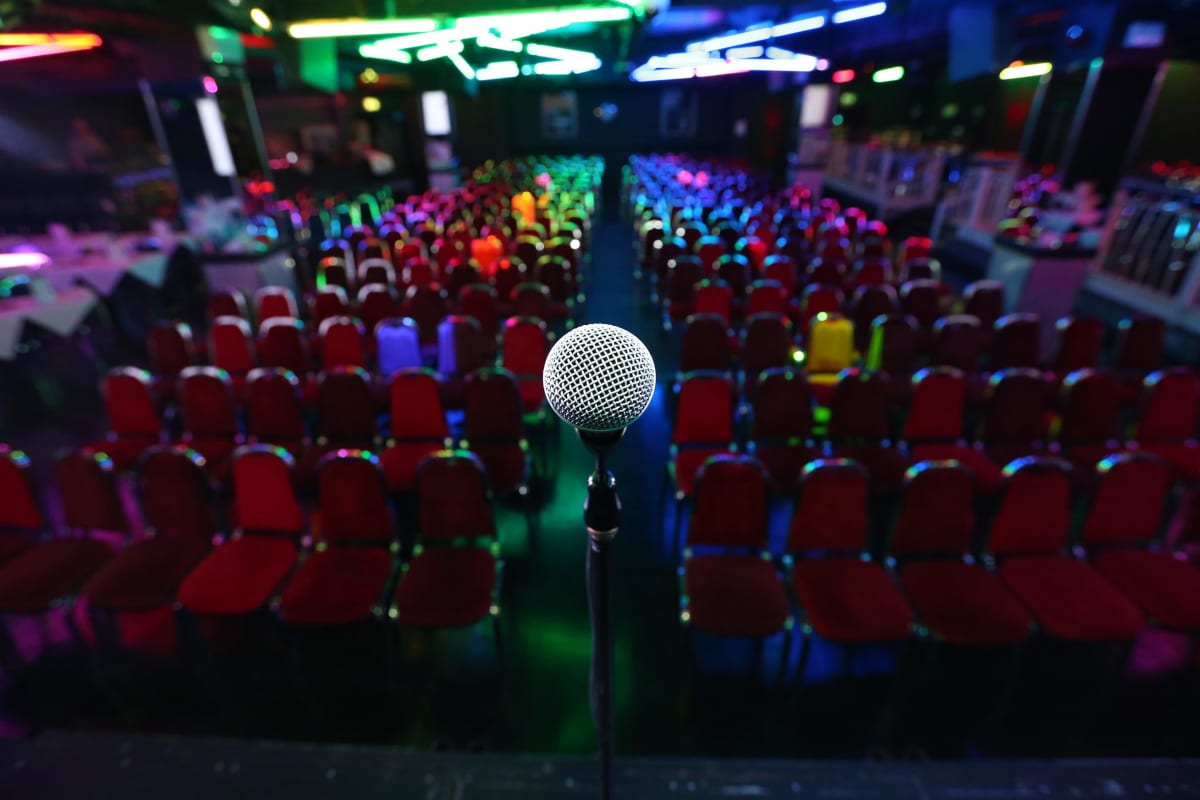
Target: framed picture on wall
<point>560,115</point>
<point>677,113</point>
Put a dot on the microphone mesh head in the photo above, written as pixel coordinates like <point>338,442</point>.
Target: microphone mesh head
<point>599,378</point>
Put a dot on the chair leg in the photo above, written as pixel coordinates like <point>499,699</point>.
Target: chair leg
<point>784,652</point>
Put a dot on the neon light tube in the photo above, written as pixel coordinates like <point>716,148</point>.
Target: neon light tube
<point>384,54</point>
<point>498,70</point>
<point>494,42</point>
<point>888,75</point>
<point>67,44</point>
<point>461,65</point>
<point>1018,70</point>
<point>448,49</point>
<point>860,12</point>
<point>326,28</point>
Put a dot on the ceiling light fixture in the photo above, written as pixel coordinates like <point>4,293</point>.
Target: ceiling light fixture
<point>1019,69</point>
<point>859,12</point>
<point>326,28</point>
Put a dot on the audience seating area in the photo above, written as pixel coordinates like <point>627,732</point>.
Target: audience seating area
<point>945,477</point>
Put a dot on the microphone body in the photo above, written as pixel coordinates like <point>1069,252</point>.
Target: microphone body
<point>600,379</point>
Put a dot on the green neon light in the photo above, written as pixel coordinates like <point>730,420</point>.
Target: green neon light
<point>498,70</point>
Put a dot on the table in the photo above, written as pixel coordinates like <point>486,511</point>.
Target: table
<point>99,260</point>
<point>62,315</point>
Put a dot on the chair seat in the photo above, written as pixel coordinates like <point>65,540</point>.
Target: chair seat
<point>965,604</point>
<point>784,463</point>
<point>46,573</point>
<point>988,476</point>
<point>400,462</point>
<point>505,463</point>
<point>239,576</point>
<point>446,587</point>
<point>11,544</point>
<point>883,463</point>
<point>145,575</point>
<point>336,586</point>
<point>1165,588</point>
<point>686,462</point>
<point>735,595</point>
<point>852,601</point>
<point>1071,600</point>
<point>1183,456</point>
<point>124,452</point>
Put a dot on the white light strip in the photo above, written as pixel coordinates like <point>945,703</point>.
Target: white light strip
<point>860,12</point>
<point>497,70</point>
<point>755,51</point>
<point>319,29</point>
<point>643,75</point>
<point>215,137</point>
<point>799,26</point>
<point>496,43</point>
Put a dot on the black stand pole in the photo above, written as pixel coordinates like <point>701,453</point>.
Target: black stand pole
<point>602,516</point>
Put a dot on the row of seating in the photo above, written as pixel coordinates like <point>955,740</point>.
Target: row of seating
<point>336,563</point>
<point>936,578</point>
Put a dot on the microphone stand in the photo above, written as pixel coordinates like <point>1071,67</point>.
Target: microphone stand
<point>602,516</point>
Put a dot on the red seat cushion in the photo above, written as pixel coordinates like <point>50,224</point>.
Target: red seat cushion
<point>849,600</point>
<point>1184,456</point>
<point>446,587</point>
<point>686,464</point>
<point>1071,600</point>
<point>239,576</point>
<point>144,575</point>
<point>965,604</point>
<point>11,544</point>
<point>735,595</point>
<point>988,476</point>
<point>783,464</point>
<point>1164,587</point>
<point>338,585</point>
<point>48,572</point>
<point>505,463</point>
<point>400,462</point>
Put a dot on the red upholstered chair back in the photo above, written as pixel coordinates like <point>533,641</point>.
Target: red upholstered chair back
<point>730,503</point>
<point>937,515</point>
<point>273,411</point>
<point>831,508</point>
<point>87,489</point>
<point>352,498</point>
<point>282,344</point>
<point>705,411</point>
<point>782,406</point>
<point>206,401</point>
<point>20,509</point>
<point>1130,500</point>
<point>453,497</point>
<point>263,492</point>
<point>416,406</point>
<point>1170,404</point>
<point>175,495</point>
<point>130,403</point>
<point>1035,510</point>
<point>938,404</point>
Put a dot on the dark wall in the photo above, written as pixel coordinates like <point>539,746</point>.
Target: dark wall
<point>1170,133</point>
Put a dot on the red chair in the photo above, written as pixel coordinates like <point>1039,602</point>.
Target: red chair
<point>243,572</point>
<point>1013,423</point>
<point>334,271</point>
<point>418,426</point>
<point>1122,533</point>
<point>934,428</point>
<point>781,268</point>
<point>341,340</point>
<point>376,302</point>
<point>767,297</point>
<point>283,344</point>
<point>227,303</point>
<point>274,301</point>
<point>871,272</point>
<point>729,585</point>
<point>21,517</point>
<point>461,350</point>
<point>1088,428</point>
<point>828,271</point>
<point>956,344</point>
<point>346,413</point>
<point>273,411</point>
<point>328,301</point>
<point>682,276</point>
<point>708,249</point>
<point>525,347</point>
<point>691,233</point>
<point>1079,344</point>
<point>1139,346</point>
<point>417,272</point>
<point>133,423</point>
<point>1015,342</point>
<point>844,595</point>
<point>531,299</point>
<point>914,247</point>
<point>48,574</point>
<point>210,424</point>
<point>924,301</point>
<point>957,600</point>
<point>460,276</point>
<point>858,428</point>
<point>781,426</point>
<point>509,274</point>
<point>1028,537</point>
<point>494,430</point>
<point>714,297</point>
<point>766,342</point>
<point>736,272</point>
<point>703,428</point>
<point>426,304</point>
<point>984,300</point>
<point>345,577</point>
<point>449,582</point>
<point>1168,422</point>
<point>376,270</point>
<point>178,506</point>
<point>231,349</point>
<point>555,274</point>
<point>478,301</point>
<point>870,302</point>
<point>172,349</point>
<point>706,345</point>
<point>893,352</point>
<point>818,299</point>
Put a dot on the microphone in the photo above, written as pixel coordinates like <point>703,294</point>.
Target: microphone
<point>600,378</point>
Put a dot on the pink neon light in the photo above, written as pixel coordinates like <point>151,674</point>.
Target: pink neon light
<point>65,44</point>
<point>23,260</point>
<point>210,84</point>
<point>843,76</point>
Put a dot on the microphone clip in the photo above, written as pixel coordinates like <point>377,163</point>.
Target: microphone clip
<point>602,511</point>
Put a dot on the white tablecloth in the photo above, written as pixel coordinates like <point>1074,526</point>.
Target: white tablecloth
<point>99,260</point>
<point>62,315</point>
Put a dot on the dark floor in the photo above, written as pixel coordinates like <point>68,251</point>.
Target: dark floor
<point>673,696</point>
